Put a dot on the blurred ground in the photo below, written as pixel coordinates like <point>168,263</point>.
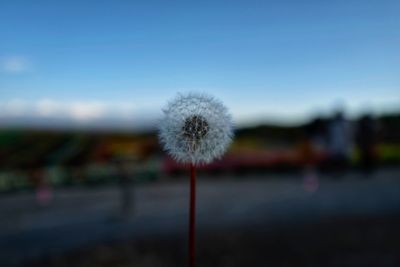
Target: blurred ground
<point>348,221</point>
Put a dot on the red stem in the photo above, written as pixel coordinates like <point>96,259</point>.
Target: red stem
<point>192,217</point>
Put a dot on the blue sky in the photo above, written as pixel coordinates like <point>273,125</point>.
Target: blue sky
<point>281,60</point>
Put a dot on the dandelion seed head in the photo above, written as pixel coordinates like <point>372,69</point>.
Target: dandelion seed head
<point>196,128</point>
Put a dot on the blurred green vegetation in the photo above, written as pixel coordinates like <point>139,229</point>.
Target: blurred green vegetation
<point>65,158</point>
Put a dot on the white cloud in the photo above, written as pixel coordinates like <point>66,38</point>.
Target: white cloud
<point>80,111</point>
<point>87,111</point>
<point>14,107</point>
<point>75,110</point>
<point>47,107</point>
<point>15,64</point>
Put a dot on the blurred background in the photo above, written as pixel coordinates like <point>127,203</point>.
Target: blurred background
<point>311,179</point>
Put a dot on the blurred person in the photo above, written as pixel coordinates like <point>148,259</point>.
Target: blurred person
<point>127,166</point>
<point>365,138</point>
<point>311,149</point>
<point>339,143</point>
<point>125,184</point>
<point>43,190</point>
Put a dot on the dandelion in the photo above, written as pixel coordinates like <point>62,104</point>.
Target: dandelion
<point>196,129</point>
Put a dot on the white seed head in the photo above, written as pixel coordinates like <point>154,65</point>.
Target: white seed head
<point>196,128</point>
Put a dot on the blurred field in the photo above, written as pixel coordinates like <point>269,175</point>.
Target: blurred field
<point>256,220</point>
<point>64,158</point>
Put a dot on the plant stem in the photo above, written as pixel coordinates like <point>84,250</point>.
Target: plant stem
<point>192,217</point>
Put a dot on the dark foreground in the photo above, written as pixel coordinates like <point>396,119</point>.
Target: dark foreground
<point>332,242</point>
<point>252,221</point>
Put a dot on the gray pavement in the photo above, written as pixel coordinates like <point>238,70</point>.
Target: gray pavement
<point>79,216</point>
